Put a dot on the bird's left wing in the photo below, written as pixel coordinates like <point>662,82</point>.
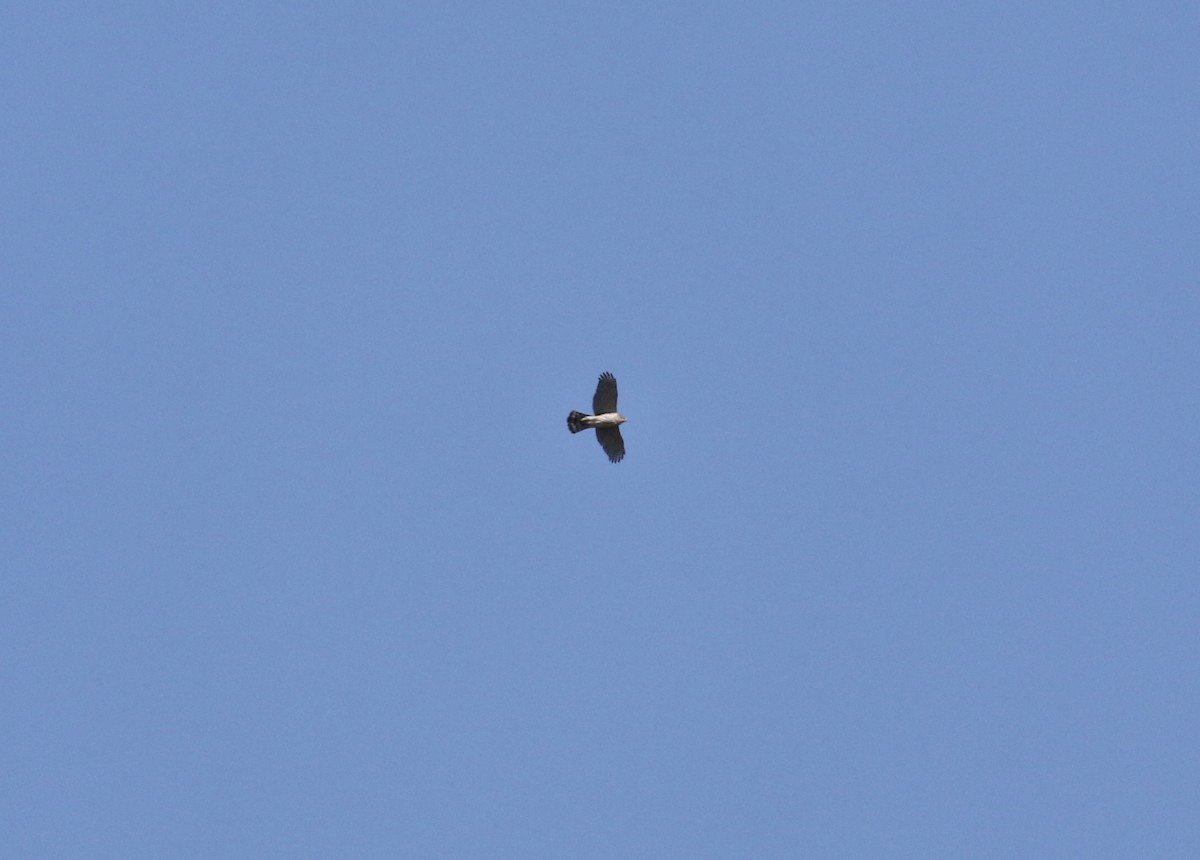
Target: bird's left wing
<point>612,443</point>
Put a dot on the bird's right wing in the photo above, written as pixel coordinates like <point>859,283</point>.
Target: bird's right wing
<point>605,399</point>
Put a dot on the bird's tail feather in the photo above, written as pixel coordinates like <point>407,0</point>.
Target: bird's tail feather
<point>575,422</point>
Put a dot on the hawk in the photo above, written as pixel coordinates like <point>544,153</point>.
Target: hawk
<point>604,418</point>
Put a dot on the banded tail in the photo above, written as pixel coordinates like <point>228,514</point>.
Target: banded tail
<point>575,422</point>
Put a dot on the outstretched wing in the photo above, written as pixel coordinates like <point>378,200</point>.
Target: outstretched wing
<point>605,399</point>
<point>612,443</point>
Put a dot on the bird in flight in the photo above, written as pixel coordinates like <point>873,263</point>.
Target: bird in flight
<point>604,418</point>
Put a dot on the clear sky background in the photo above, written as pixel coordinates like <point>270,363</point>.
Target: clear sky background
<point>300,560</point>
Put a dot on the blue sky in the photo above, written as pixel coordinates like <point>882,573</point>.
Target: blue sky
<point>300,560</point>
